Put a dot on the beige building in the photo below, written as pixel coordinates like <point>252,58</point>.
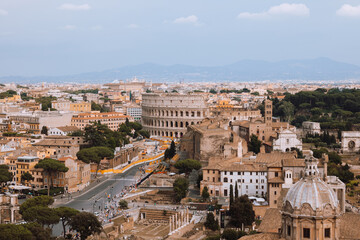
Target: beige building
<point>110,119</point>
<point>169,114</point>
<point>61,145</point>
<point>235,113</point>
<point>76,178</point>
<point>71,106</point>
<point>212,138</point>
<point>264,128</point>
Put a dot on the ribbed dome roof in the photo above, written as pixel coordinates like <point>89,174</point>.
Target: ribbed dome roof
<point>313,191</point>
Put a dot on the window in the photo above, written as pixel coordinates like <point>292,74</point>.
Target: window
<point>276,174</point>
<point>225,180</point>
<point>306,232</point>
<point>327,233</point>
<point>288,230</point>
<point>231,173</point>
<point>225,192</point>
<point>274,192</point>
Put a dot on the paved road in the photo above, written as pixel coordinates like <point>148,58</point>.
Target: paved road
<point>113,185</point>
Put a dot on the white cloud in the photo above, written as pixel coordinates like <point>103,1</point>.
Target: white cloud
<point>347,10</point>
<point>97,27</point>
<point>3,12</point>
<point>192,19</point>
<point>290,9</point>
<point>74,7</point>
<point>69,27</point>
<point>133,26</point>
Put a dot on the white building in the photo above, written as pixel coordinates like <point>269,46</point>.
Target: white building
<point>62,131</point>
<point>311,128</point>
<point>350,141</point>
<point>286,140</point>
<point>251,179</point>
<point>134,111</point>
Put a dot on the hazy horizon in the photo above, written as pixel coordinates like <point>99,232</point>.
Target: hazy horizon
<point>54,38</point>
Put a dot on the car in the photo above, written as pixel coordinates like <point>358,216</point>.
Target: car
<point>21,196</point>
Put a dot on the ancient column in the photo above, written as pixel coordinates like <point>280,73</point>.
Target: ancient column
<point>170,223</point>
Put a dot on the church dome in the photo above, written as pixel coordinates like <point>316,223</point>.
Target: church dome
<point>311,190</point>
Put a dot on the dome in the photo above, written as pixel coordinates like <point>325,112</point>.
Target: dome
<point>311,190</point>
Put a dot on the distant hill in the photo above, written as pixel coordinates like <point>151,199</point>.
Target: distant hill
<point>245,70</point>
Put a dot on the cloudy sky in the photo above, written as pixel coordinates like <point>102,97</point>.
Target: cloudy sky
<point>53,37</point>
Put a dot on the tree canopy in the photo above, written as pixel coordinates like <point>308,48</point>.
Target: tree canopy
<point>187,165</point>
<point>210,222</point>
<point>26,176</point>
<point>95,154</point>
<point>14,232</point>
<point>242,212</point>
<point>171,151</point>
<point>180,187</point>
<point>254,144</point>
<point>86,224</point>
<point>51,167</point>
<point>334,109</point>
<point>66,214</point>
<point>5,174</point>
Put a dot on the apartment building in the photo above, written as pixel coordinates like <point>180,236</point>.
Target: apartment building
<point>71,106</point>
<point>110,119</point>
<point>61,146</point>
<point>24,164</point>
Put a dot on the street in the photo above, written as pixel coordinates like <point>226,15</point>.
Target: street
<point>94,199</point>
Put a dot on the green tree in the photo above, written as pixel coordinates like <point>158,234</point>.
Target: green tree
<point>334,158</point>
<point>26,176</point>
<point>66,214</point>
<point>45,102</point>
<point>99,135</point>
<point>213,91</point>
<point>44,130</point>
<point>254,144</point>
<point>236,190</point>
<point>287,109</point>
<point>123,204</point>
<point>95,155</point>
<point>242,212</point>
<point>86,224</point>
<point>171,151</point>
<point>180,188</point>
<point>205,193</point>
<point>14,232</point>
<point>36,201</point>
<point>50,168</point>
<point>5,174</point>
<point>39,232</point>
<point>210,222</point>
<point>187,165</point>
<point>231,195</point>
<point>229,234</point>
<point>42,215</point>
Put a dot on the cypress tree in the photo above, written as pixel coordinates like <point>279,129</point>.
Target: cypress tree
<point>236,191</point>
<point>231,195</point>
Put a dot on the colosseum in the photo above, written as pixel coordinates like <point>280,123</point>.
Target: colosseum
<point>169,114</point>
